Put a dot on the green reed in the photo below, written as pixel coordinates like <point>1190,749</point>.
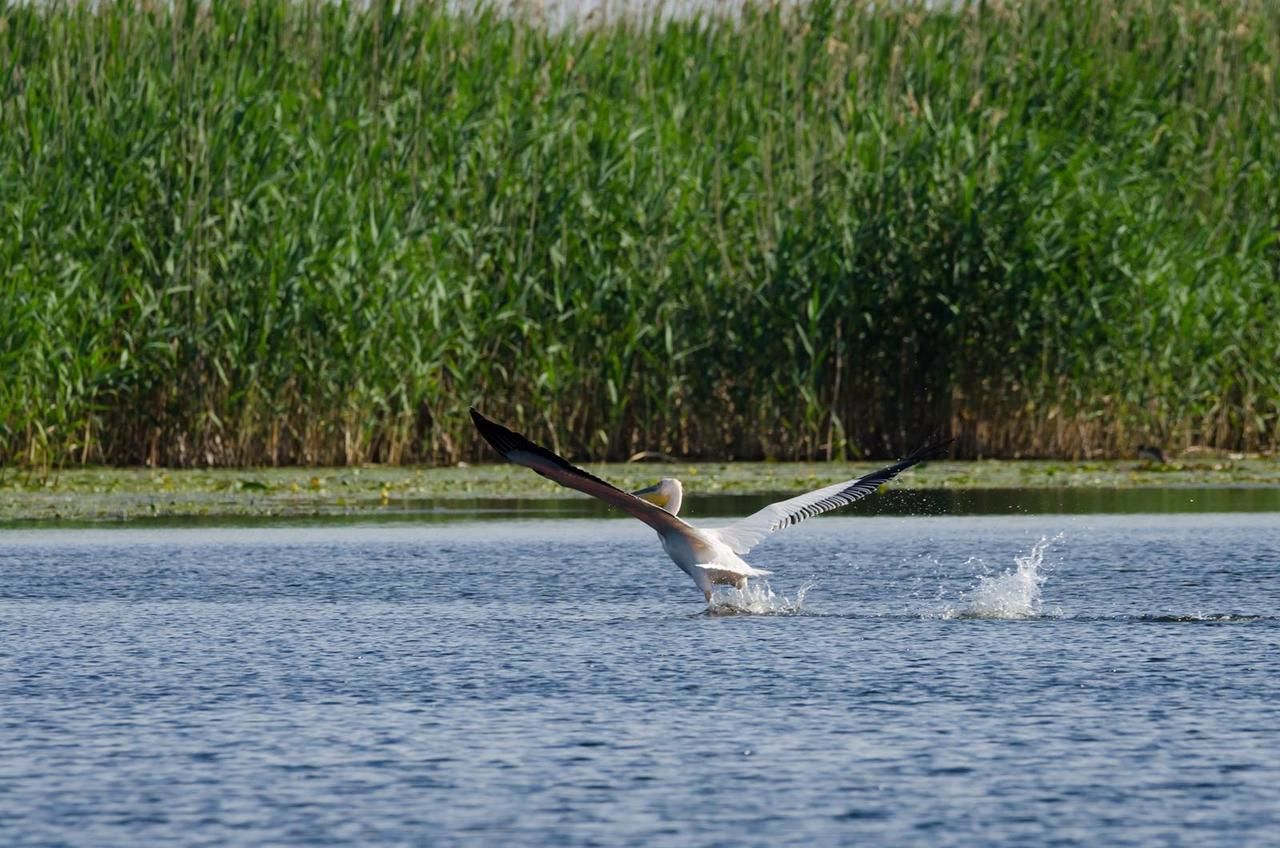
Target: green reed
<point>279,231</point>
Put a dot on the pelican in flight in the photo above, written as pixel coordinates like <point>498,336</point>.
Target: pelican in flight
<point>711,556</point>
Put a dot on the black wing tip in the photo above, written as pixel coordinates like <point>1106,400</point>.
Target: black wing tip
<point>502,439</point>
<point>505,440</point>
<point>482,423</point>
<point>937,450</point>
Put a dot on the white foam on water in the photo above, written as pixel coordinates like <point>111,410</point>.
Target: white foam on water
<point>1012,594</point>
<point>758,598</point>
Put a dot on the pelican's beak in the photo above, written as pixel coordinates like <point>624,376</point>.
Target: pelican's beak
<point>653,494</point>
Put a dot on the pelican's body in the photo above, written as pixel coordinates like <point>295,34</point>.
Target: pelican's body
<point>699,554</point>
<point>711,556</point>
<point>706,559</point>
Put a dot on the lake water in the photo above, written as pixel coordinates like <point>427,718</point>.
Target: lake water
<point>925,681</point>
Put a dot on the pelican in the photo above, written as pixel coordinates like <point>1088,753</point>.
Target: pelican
<point>711,556</point>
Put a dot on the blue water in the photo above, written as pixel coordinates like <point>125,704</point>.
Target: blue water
<point>925,681</point>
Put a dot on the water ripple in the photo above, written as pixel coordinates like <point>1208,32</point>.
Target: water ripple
<point>443,685</point>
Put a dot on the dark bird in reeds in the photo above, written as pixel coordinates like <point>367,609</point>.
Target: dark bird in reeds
<point>1151,453</point>
<point>711,556</point>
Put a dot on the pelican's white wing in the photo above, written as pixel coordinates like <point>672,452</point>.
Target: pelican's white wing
<point>521,451</point>
<point>744,535</point>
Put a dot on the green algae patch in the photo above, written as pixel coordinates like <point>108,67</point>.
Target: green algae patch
<point>112,494</point>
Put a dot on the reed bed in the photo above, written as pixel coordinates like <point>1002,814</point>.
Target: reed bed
<point>281,231</point>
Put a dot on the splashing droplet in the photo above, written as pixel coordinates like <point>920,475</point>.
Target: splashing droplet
<point>758,598</point>
<point>1013,594</point>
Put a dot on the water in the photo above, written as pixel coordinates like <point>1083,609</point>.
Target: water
<point>940,681</point>
<point>1014,593</point>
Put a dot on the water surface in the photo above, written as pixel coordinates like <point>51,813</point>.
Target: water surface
<point>921,681</point>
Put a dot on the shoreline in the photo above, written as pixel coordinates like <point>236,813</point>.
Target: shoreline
<point>114,494</point>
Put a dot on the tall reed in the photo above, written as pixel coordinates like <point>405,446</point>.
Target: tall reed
<point>300,231</point>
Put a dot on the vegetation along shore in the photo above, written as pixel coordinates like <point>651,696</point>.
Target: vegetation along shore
<point>114,494</point>
<point>282,232</point>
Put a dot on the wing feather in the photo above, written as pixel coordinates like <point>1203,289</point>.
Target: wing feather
<point>744,535</point>
<point>520,450</point>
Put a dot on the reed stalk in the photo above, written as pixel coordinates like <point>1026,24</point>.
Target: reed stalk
<point>294,231</point>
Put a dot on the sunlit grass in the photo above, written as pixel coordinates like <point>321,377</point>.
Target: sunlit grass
<point>268,232</point>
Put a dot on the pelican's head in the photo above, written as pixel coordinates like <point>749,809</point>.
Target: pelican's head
<point>666,493</point>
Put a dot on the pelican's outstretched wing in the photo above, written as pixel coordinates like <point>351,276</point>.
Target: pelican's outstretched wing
<point>521,451</point>
<point>750,531</point>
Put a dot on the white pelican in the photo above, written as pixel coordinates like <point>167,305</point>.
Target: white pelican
<point>710,556</point>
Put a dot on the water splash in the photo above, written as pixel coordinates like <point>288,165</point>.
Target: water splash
<point>1012,594</point>
<point>758,598</point>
